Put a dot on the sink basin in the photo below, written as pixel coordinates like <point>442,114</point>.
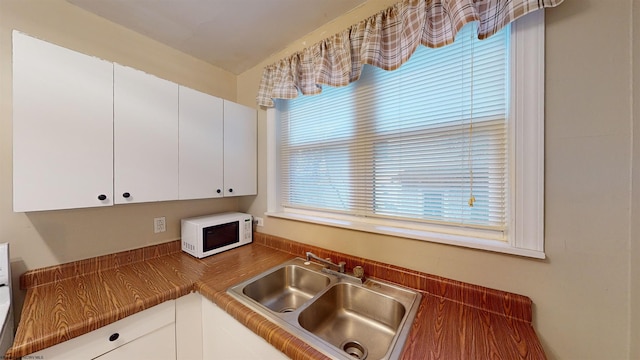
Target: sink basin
<point>339,315</point>
<point>286,288</point>
<point>361,322</point>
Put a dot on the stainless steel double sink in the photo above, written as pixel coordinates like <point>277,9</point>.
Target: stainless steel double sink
<point>342,318</point>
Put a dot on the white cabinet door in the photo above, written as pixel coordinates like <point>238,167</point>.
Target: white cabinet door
<point>201,145</point>
<point>240,150</point>
<point>147,331</point>
<point>158,345</point>
<point>145,137</point>
<point>62,127</point>
<point>226,338</point>
<point>189,327</point>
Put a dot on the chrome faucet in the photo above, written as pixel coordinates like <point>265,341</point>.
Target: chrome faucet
<point>327,262</point>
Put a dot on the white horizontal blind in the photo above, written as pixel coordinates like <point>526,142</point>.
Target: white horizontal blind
<point>412,144</point>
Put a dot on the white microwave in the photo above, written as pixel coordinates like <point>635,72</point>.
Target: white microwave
<point>203,236</point>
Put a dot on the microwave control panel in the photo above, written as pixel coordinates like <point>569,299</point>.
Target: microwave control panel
<point>248,227</point>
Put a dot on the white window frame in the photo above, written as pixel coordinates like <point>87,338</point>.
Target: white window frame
<point>525,236</point>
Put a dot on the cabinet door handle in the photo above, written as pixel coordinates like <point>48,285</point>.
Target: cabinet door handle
<point>114,337</point>
<point>230,190</point>
<point>126,195</point>
<point>102,197</point>
<point>218,191</point>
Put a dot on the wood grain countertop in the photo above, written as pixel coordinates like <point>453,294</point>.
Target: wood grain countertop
<point>454,320</point>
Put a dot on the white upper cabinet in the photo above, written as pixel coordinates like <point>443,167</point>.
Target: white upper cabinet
<point>240,150</point>
<point>218,147</point>
<point>201,140</point>
<point>62,127</point>
<point>88,132</point>
<point>145,126</point>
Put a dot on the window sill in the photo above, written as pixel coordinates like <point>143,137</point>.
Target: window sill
<point>416,234</point>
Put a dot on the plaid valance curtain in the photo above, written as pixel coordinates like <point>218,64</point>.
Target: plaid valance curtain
<point>386,40</point>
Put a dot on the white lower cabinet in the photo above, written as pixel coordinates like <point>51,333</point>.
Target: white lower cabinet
<point>189,328</point>
<point>159,344</point>
<point>149,334</point>
<point>226,338</point>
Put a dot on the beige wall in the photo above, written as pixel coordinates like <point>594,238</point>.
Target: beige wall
<point>45,238</point>
<point>581,291</point>
<point>635,198</point>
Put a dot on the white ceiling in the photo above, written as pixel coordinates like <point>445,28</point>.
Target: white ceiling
<point>234,35</point>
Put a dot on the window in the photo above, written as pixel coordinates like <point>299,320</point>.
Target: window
<point>448,148</point>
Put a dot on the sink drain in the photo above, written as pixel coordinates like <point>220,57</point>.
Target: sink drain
<point>287,310</point>
<point>355,349</point>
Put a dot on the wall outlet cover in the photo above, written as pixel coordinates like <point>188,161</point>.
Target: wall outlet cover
<point>159,225</point>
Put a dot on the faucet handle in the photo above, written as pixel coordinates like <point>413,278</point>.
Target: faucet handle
<point>341,266</point>
<point>358,271</point>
